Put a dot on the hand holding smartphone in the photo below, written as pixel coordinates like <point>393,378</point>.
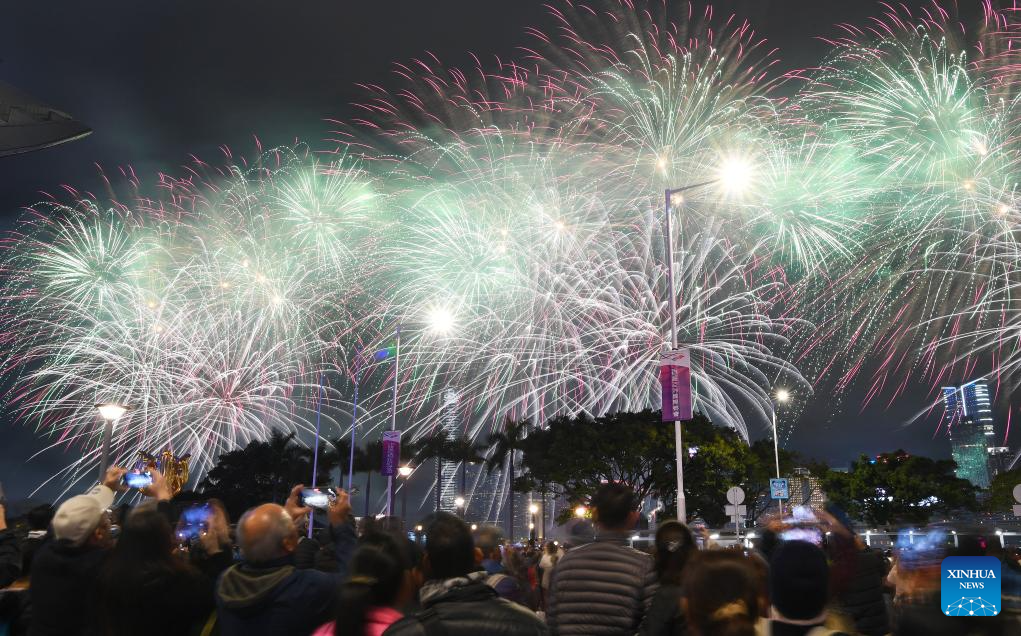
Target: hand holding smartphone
<point>316,498</point>
<point>137,479</point>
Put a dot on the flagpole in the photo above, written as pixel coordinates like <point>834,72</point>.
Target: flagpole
<point>315,451</point>
<point>393,419</point>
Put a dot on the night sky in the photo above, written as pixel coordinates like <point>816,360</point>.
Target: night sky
<point>158,82</point>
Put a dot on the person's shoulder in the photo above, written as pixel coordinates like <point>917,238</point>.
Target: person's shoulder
<point>407,626</point>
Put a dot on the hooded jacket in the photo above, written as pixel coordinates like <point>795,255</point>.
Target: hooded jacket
<point>278,598</point>
<point>467,607</point>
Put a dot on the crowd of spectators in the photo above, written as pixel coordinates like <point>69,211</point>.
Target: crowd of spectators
<point>84,568</point>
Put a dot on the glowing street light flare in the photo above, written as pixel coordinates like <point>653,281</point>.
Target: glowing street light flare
<point>735,175</point>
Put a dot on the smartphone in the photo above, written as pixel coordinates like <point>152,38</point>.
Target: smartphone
<point>137,480</point>
<point>801,515</point>
<point>804,533</point>
<point>316,498</point>
<point>194,522</point>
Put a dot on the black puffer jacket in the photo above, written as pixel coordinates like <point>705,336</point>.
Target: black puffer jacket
<point>862,598</point>
<point>469,610</point>
<point>10,558</point>
<point>601,588</point>
<point>63,589</point>
<point>664,617</point>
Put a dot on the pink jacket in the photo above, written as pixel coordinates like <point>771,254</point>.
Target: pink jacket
<point>376,622</point>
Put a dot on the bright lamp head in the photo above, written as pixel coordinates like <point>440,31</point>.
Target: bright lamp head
<point>735,175</point>
<point>111,411</point>
<point>405,471</point>
<point>783,395</point>
<point>440,320</point>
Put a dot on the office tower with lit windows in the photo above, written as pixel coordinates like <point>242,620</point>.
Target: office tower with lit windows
<point>972,431</point>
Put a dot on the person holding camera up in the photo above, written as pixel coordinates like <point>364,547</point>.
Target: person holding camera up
<point>64,571</point>
<point>143,582</point>
<point>266,593</point>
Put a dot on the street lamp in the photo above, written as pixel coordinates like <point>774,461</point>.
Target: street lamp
<point>580,512</point>
<point>733,175</point>
<point>440,321</point>
<point>405,472</point>
<point>459,503</point>
<point>110,412</point>
<point>782,397</point>
<point>533,509</point>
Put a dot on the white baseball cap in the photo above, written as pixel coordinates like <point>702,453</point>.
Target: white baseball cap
<point>79,516</point>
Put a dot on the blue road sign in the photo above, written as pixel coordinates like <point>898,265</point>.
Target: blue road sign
<point>778,489</point>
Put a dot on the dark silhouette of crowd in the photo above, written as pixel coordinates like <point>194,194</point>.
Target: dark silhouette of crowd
<point>85,568</point>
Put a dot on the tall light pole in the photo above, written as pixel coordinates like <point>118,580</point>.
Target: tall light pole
<point>781,397</point>
<point>733,175</point>
<point>110,412</point>
<point>405,472</point>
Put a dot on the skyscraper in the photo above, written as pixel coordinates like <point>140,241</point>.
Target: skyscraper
<point>448,473</point>
<point>970,424</point>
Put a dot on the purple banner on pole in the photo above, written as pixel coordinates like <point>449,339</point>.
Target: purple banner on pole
<point>391,453</point>
<point>675,382</point>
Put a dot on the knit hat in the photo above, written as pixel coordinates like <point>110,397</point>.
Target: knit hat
<point>799,580</point>
<point>79,516</point>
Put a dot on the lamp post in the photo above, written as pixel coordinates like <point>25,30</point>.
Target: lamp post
<point>110,412</point>
<point>459,503</point>
<point>440,321</point>
<point>733,175</point>
<point>405,472</point>
<point>781,397</point>
<point>533,509</point>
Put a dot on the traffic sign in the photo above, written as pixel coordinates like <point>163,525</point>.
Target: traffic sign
<point>1017,498</point>
<point>739,511</point>
<point>778,489</point>
<point>735,495</point>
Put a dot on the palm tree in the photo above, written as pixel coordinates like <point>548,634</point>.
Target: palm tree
<point>368,461</point>
<point>465,452</point>
<point>502,448</point>
<point>342,449</point>
<point>439,447</point>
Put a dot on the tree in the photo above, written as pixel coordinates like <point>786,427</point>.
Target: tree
<point>1001,491</point>
<point>464,452</point>
<point>580,453</point>
<point>899,488</point>
<point>261,471</point>
<point>342,451</point>
<point>503,447</point>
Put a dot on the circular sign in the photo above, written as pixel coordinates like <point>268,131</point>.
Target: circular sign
<point>735,495</point>
<point>1017,493</point>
